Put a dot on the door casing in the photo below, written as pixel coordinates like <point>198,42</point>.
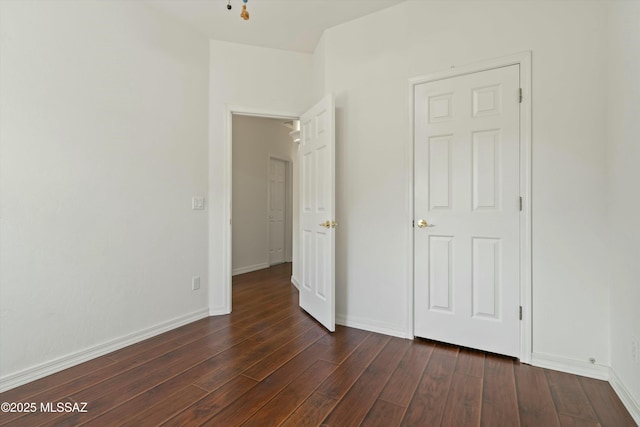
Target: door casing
<point>287,206</point>
<point>230,111</point>
<point>524,60</point>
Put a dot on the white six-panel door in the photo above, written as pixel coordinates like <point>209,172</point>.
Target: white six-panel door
<point>277,210</point>
<point>467,210</point>
<point>317,212</point>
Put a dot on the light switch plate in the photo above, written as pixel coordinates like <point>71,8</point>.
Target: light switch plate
<point>197,203</point>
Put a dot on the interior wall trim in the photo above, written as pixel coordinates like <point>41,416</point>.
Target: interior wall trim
<point>36,372</point>
<point>586,369</point>
<point>372,326</point>
<point>249,268</point>
<point>632,405</point>
<point>295,282</point>
<point>570,366</point>
<point>222,279</point>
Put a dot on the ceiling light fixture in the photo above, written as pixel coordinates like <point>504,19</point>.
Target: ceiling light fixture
<point>245,13</point>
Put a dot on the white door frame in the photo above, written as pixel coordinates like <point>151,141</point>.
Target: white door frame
<point>230,111</point>
<point>288,214</point>
<point>524,60</point>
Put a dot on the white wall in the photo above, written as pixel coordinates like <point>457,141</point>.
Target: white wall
<point>102,145</point>
<point>318,70</point>
<point>255,139</point>
<point>365,67</point>
<point>623,144</point>
<point>258,79</point>
<point>368,63</point>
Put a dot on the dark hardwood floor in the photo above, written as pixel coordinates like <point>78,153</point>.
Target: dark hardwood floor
<point>269,364</point>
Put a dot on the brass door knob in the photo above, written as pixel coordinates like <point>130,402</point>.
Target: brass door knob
<point>329,224</point>
<point>422,223</point>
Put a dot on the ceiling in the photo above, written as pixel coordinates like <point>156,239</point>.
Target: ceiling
<point>281,24</point>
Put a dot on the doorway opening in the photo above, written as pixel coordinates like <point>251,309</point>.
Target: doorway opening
<point>313,266</point>
<point>279,210</point>
<point>263,171</point>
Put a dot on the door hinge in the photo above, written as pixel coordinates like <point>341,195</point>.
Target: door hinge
<point>520,312</point>
<point>520,202</point>
<point>520,95</point>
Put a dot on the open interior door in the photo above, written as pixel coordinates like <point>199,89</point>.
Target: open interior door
<point>317,212</point>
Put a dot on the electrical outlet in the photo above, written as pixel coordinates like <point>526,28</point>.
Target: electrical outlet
<point>635,349</point>
<point>195,283</point>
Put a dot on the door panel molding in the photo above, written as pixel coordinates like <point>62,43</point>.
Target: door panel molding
<point>483,106</point>
<point>317,211</point>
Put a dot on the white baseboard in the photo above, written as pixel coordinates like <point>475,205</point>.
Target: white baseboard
<point>371,326</point>
<point>632,405</point>
<point>600,372</point>
<point>571,366</point>
<point>219,311</point>
<point>249,268</point>
<point>295,282</point>
<point>16,379</point>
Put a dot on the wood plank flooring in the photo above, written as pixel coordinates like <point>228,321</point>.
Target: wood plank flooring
<point>269,364</point>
